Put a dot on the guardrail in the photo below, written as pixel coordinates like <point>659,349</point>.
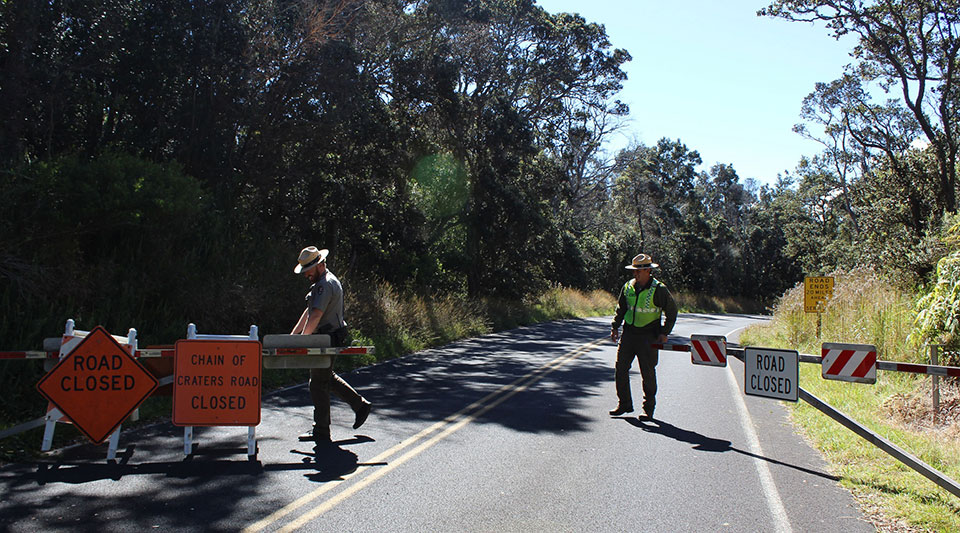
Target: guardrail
<point>867,434</point>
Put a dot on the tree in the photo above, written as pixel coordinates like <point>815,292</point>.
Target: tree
<point>831,106</point>
<point>654,186</point>
<point>493,84</point>
<point>910,45</point>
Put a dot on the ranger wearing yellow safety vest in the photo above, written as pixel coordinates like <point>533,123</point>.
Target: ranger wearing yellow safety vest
<point>643,302</point>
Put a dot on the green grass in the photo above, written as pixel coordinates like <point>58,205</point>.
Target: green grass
<point>887,489</point>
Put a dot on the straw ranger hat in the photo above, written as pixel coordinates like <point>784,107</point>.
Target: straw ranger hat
<point>309,258</point>
<point>641,261</point>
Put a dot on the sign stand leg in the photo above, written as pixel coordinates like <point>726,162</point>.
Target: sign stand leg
<point>114,442</point>
<point>251,441</point>
<point>188,440</point>
<point>49,427</point>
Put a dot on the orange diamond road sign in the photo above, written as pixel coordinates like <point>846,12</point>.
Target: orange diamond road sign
<point>97,385</point>
<point>217,382</point>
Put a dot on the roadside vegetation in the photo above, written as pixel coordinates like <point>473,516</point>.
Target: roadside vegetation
<point>867,310</point>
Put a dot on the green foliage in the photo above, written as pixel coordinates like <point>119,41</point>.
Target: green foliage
<point>440,186</point>
<point>938,312</point>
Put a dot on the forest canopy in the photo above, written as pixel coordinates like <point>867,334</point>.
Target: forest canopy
<point>163,161</point>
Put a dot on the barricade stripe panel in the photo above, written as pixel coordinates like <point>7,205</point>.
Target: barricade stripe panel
<point>359,350</point>
<point>355,350</point>
<point>154,353</point>
<point>674,347</point>
<point>933,370</point>
<point>285,351</point>
<point>698,347</point>
<point>837,367</point>
<point>24,355</point>
<point>849,369</point>
<point>715,345</point>
<point>868,362</point>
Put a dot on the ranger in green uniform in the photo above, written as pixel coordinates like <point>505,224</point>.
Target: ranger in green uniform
<point>643,302</point>
<point>324,314</point>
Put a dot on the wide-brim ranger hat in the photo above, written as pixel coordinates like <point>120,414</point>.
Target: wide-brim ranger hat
<point>309,258</point>
<point>641,261</point>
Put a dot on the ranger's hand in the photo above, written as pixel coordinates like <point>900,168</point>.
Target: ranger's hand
<point>614,334</point>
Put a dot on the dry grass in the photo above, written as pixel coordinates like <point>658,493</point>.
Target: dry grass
<point>702,303</point>
<point>863,310</point>
<point>398,323</point>
<point>914,411</point>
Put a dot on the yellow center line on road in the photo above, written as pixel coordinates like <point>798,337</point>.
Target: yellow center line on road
<point>446,427</point>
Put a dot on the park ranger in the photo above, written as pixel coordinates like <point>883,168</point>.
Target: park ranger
<point>324,314</point>
<point>642,305</point>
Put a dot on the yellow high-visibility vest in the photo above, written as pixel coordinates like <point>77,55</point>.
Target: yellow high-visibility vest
<point>640,308</point>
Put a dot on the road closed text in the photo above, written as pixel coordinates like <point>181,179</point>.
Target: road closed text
<point>98,373</point>
<point>771,384</point>
<point>771,373</point>
<point>218,402</point>
<point>114,382</point>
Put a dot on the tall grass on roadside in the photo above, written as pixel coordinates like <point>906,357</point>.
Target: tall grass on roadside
<point>398,324</point>
<point>864,309</point>
<point>704,303</point>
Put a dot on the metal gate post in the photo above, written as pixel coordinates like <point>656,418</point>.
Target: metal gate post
<point>934,360</point>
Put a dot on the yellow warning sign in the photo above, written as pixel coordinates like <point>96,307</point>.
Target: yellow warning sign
<point>816,291</point>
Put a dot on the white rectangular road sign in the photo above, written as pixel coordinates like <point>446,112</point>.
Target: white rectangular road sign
<point>771,373</point>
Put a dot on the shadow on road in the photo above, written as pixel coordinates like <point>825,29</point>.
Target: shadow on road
<point>325,463</point>
<point>433,384</point>
<point>709,444</point>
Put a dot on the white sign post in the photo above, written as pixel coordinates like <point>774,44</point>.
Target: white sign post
<point>771,373</point>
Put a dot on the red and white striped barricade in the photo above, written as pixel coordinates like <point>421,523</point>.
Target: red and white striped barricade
<point>709,350</point>
<point>71,338</point>
<point>849,362</point>
<point>304,351</point>
<point>671,347</point>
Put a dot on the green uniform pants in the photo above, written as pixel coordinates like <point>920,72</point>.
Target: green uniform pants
<point>633,345</point>
<point>324,381</point>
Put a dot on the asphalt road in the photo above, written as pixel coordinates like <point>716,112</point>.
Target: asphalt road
<point>507,432</point>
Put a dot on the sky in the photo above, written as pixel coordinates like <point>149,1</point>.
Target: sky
<point>714,75</point>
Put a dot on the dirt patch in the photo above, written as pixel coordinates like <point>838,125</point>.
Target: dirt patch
<point>914,411</point>
<point>873,513</point>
